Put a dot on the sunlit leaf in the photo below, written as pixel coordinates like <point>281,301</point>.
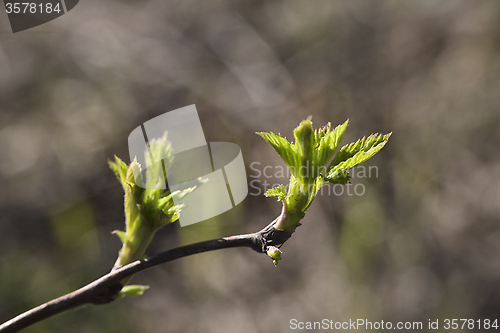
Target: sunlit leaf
<point>352,155</point>
<point>277,192</point>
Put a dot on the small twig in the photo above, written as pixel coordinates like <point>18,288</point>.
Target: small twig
<point>105,289</point>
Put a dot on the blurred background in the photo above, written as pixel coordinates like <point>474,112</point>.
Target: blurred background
<point>422,242</point>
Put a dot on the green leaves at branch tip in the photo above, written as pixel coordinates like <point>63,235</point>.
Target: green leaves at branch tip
<point>159,159</point>
<point>285,149</point>
<point>148,201</point>
<point>328,141</point>
<point>308,161</point>
<point>120,169</point>
<point>121,234</point>
<point>312,149</point>
<point>148,205</point>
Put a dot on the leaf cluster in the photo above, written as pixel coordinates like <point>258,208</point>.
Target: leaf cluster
<point>149,205</point>
<point>312,161</point>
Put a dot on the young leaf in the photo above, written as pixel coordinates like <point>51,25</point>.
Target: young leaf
<point>167,200</point>
<point>132,290</point>
<point>352,155</point>
<point>120,169</point>
<point>328,143</point>
<point>305,143</point>
<point>277,192</point>
<point>310,153</point>
<point>148,205</point>
<point>285,149</point>
<point>158,155</point>
<point>174,212</point>
<point>341,178</point>
<point>133,194</point>
<point>363,144</point>
<point>122,235</point>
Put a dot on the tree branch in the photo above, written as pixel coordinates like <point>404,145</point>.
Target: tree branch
<point>105,289</point>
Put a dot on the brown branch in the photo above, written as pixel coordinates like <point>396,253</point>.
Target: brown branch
<point>105,289</point>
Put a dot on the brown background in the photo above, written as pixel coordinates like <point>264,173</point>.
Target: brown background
<point>422,243</point>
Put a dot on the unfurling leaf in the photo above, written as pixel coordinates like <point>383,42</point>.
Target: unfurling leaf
<point>277,192</point>
<point>149,205</point>
<point>132,290</point>
<point>285,149</point>
<point>122,235</point>
<point>352,155</point>
<point>120,169</point>
<point>327,142</point>
<point>308,160</point>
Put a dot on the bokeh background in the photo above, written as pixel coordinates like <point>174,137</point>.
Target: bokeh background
<point>422,242</point>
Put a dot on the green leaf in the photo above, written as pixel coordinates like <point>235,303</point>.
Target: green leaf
<point>363,144</point>
<point>305,143</point>
<point>341,178</point>
<point>122,235</point>
<point>174,212</point>
<point>352,155</point>
<point>312,162</point>
<point>148,204</point>
<point>133,194</point>
<point>161,149</point>
<point>158,155</point>
<point>132,290</point>
<point>120,169</point>
<point>328,142</point>
<point>277,192</point>
<point>167,201</point>
<point>285,149</point>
